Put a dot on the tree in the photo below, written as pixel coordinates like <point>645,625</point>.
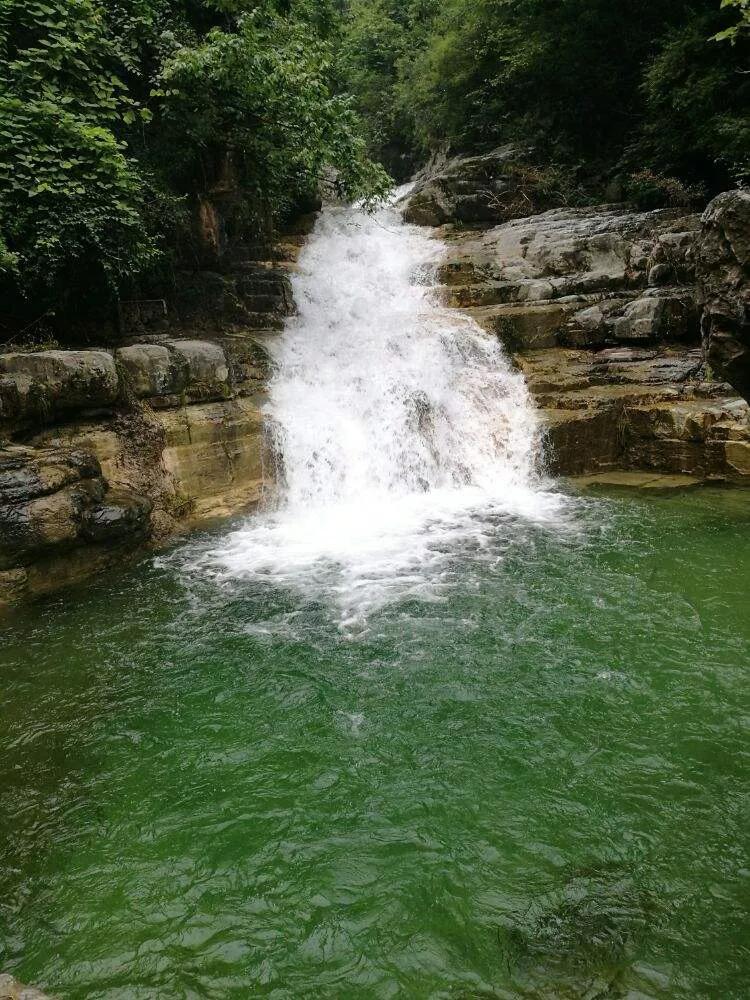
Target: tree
<point>70,195</point>
<point>113,113</point>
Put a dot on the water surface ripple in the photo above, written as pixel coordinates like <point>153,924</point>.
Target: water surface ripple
<point>429,728</point>
<point>532,784</point>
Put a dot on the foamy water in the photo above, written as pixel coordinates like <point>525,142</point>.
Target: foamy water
<point>402,431</point>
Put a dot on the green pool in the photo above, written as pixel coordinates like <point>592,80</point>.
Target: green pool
<point>531,779</point>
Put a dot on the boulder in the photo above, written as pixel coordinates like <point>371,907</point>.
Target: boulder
<point>203,366</point>
<point>494,187</point>
<point>41,386</point>
<point>658,315</point>
<point>175,371</point>
<point>149,370</point>
<point>29,473</point>
<point>723,271</point>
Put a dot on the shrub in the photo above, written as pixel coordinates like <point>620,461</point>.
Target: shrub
<point>648,190</point>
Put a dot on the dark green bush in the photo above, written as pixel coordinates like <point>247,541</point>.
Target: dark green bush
<point>614,86</point>
<point>115,116</point>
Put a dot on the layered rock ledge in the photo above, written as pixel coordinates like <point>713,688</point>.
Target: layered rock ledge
<point>104,451</point>
<point>601,308</point>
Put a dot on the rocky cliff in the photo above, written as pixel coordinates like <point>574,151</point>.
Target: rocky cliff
<point>601,309</point>
<point>103,451</point>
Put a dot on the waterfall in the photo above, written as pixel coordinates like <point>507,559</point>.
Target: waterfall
<point>401,427</point>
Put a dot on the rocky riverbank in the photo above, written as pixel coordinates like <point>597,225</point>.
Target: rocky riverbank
<point>105,451</point>
<point>603,309</point>
<point>630,327</point>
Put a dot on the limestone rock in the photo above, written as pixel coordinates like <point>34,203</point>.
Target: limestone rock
<point>43,494</point>
<point>41,386</point>
<point>120,515</point>
<point>252,296</point>
<point>99,474</point>
<point>214,453</point>
<point>53,500</point>
<point>576,250</point>
<point>148,370</point>
<point>637,410</point>
<point>204,367</point>
<point>173,372</point>
<point>723,269</point>
<point>599,309</point>
<point>658,315</point>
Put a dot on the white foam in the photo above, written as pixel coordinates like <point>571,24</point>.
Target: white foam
<point>402,428</point>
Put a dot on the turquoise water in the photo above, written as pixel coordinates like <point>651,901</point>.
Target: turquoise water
<point>528,779</point>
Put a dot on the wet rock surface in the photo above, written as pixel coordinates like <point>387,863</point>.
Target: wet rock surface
<point>620,409</point>
<point>54,501</point>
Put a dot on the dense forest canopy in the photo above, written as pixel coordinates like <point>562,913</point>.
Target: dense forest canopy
<point>116,116</point>
<point>619,86</point>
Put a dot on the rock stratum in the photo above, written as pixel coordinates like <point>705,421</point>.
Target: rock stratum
<point>106,451</point>
<point>603,309</point>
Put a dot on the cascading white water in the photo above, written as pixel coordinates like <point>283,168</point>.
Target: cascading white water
<point>401,427</point>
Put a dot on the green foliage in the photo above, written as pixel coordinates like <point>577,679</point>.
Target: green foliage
<point>70,196</point>
<point>261,94</point>
<point>116,116</point>
<point>734,31</point>
<point>379,38</point>
<point>615,86</point>
<point>697,114</point>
